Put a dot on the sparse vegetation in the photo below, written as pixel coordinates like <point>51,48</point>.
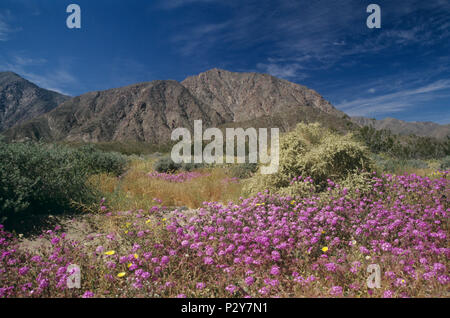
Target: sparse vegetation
<point>138,188</point>
<point>164,230</point>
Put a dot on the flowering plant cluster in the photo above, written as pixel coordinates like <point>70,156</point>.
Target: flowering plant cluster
<point>264,246</point>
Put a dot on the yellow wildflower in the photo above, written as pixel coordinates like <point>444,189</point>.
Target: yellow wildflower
<point>129,265</point>
<point>110,253</point>
<point>136,256</point>
<point>127,224</point>
<point>126,232</point>
<point>324,249</point>
<point>148,221</point>
<point>121,274</point>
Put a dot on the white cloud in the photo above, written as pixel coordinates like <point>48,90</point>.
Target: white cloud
<point>288,71</point>
<point>393,102</point>
<point>56,79</point>
<point>199,38</point>
<point>322,34</point>
<point>5,28</point>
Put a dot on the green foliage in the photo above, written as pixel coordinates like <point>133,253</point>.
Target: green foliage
<point>97,161</point>
<point>166,165</point>
<point>299,188</point>
<point>357,183</point>
<point>403,147</point>
<point>37,178</point>
<point>445,164</point>
<point>243,170</point>
<point>312,151</point>
<point>127,148</point>
<point>385,163</point>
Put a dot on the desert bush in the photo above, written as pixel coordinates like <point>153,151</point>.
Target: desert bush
<point>98,161</point>
<point>311,150</point>
<point>356,184</point>
<point>403,147</point>
<point>37,178</point>
<point>243,170</point>
<point>445,164</point>
<point>166,165</point>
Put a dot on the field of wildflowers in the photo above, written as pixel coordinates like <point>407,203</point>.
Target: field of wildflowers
<point>263,246</point>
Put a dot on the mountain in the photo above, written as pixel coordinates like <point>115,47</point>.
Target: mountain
<point>21,100</point>
<point>142,112</point>
<point>400,127</point>
<point>245,96</point>
<point>150,111</point>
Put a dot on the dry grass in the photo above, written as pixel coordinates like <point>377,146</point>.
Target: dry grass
<point>135,190</point>
<point>424,172</point>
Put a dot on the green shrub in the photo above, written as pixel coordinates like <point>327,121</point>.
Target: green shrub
<point>445,164</point>
<point>166,165</point>
<point>313,151</point>
<point>98,161</point>
<point>243,170</point>
<point>389,164</point>
<point>37,178</point>
<point>403,147</point>
<point>358,183</point>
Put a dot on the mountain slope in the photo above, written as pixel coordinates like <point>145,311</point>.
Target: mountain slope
<point>21,100</point>
<point>141,112</point>
<point>246,96</point>
<point>150,111</point>
<point>400,127</point>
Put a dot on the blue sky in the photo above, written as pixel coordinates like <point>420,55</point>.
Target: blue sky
<point>401,70</point>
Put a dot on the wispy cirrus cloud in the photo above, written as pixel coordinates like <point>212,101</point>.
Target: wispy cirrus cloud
<point>316,34</point>
<point>4,31</point>
<point>198,38</point>
<point>397,101</point>
<point>5,25</point>
<point>58,79</point>
<point>287,71</point>
<point>174,4</point>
